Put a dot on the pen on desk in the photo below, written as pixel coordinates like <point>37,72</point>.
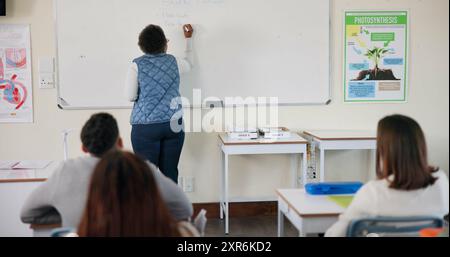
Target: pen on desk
<point>14,165</point>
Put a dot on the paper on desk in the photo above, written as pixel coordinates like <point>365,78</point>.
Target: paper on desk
<point>342,200</point>
<point>32,164</point>
<point>7,165</point>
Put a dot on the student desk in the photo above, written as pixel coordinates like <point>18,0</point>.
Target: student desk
<point>294,146</point>
<point>27,175</point>
<point>340,140</point>
<point>15,187</point>
<point>310,214</point>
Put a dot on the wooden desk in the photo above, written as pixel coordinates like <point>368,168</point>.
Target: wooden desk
<point>295,146</point>
<point>340,140</point>
<point>310,214</point>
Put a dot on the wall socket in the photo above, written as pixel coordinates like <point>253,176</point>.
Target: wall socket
<point>181,182</point>
<point>46,73</point>
<point>46,81</point>
<point>189,184</point>
<point>186,184</point>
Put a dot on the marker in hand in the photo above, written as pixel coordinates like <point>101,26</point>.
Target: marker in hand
<point>188,30</point>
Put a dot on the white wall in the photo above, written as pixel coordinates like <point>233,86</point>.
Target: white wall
<point>253,176</point>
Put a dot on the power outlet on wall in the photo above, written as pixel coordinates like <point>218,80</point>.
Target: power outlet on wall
<point>46,81</point>
<point>188,185</point>
<point>181,182</point>
<point>46,73</point>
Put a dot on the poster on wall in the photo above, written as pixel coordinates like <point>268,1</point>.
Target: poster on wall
<point>376,48</point>
<point>16,96</point>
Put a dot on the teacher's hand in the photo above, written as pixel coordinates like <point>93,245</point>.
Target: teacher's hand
<point>188,30</point>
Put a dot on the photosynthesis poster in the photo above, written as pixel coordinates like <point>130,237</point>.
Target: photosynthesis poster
<point>16,98</point>
<point>376,51</point>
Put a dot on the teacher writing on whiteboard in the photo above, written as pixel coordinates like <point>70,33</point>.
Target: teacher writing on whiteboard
<point>153,83</point>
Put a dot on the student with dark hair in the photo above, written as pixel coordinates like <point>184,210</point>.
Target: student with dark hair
<point>63,196</point>
<point>124,201</point>
<point>153,84</point>
<point>100,134</point>
<point>406,186</point>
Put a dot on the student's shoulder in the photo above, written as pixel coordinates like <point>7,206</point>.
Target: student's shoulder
<point>156,172</point>
<point>77,163</point>
<point>442,178</point>
<point>372,188</point>
<point>152,167</point>
<point>440,174</point>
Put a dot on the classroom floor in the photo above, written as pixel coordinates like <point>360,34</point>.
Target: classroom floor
<point>259,226</point>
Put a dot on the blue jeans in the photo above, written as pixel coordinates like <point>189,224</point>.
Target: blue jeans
<point>160,145</point>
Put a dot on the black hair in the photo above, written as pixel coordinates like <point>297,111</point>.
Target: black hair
<point>100,134</point>
<point>152,40</point>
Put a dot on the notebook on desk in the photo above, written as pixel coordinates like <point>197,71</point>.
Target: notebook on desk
<point>342,200</point>
<point>8,165</point>
<point>24,165</point>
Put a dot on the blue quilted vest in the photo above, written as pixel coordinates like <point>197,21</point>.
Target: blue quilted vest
<point>158,95</point>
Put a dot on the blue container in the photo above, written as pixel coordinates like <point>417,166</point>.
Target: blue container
<point>333,188</point>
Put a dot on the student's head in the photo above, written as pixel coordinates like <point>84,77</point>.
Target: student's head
<point>124,200</point>
<point>100,134</point>
<point>402,152</point>
<point>152,40</point>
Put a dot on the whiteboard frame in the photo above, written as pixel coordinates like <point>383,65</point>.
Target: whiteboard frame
<point>63,105</point>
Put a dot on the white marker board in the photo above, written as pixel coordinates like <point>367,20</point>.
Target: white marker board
<point>243,48</point>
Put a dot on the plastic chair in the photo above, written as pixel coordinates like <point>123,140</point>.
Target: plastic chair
<point>64,232</point>
<point>200,222</point>
<point>392,226</point>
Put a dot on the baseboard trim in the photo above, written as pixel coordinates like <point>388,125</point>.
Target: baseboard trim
<point>247,209</point>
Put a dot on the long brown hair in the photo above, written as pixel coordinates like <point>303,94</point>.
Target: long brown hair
<point>402,152</point>
<point>124,201</point>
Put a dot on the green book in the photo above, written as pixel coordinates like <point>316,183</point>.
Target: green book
<point>342,200</point>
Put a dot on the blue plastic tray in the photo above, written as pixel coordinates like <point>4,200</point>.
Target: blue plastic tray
<point>333,188</point>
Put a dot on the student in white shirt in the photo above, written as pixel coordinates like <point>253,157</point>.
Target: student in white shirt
<point>406,185</point>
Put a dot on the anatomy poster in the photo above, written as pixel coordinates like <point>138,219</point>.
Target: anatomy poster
<point>16,97</point>
<point>376,56</point>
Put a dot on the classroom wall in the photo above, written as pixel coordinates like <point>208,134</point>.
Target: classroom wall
<point>256,175</point>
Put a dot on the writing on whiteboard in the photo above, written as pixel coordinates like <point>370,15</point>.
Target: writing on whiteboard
<point>178,12</point>
<point>191,2</point>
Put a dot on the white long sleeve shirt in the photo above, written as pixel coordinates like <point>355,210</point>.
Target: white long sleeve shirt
<point>185,65</point>
<point>377,199</point>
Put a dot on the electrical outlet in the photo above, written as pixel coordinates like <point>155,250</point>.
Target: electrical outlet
<point>188,184</point>
<point>46,81</point>
<point>181,182</point>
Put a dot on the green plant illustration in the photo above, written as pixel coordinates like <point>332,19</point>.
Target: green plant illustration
<point>376,55</point>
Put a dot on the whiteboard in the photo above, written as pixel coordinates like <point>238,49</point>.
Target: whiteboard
<point>243,48</point>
